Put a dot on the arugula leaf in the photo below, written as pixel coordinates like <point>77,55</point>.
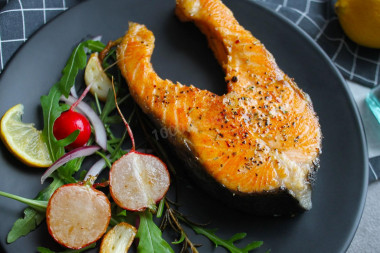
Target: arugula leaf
<point>94,45</point>
<point>228,244</point>
<point>76,62</point>
<point>46,193</point>
<point>39,205</point>
<point>32,218</point>
<point>66,171</point>
<point>69,139</point>
<point>181,239</point>
<point>46,250</point>
<point>23,226</point>
<point>150,236</point>
<point>51,110</point>
<point>114,119</point>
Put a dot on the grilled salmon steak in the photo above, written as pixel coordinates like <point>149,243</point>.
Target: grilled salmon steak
<point>257,146</point>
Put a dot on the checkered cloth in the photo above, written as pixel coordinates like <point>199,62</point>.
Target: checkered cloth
<point>318,19</point>
<point>19,19</point>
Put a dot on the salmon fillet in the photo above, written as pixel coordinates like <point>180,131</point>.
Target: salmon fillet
<point>257,146</point>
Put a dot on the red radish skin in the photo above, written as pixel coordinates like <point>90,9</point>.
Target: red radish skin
<point>96,123</point>
<point>77,215</point>
<point>68,122</point>
<point>138,181</point>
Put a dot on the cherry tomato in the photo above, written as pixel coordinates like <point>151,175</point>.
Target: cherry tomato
<point>68,122</point>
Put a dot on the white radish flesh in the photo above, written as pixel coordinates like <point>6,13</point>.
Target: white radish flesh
<point>77,215</point>
<point>138,181</point>
<point>118,239</point>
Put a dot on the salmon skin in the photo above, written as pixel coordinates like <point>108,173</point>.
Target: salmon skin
<point>256,147</point>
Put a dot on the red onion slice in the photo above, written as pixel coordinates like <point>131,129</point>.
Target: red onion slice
<point>73,92</point>
<point>78,152</point>
<point>95,170</point>
<point>96,122</point>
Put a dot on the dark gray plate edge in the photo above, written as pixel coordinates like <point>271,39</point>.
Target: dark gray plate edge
<point>353,107</point>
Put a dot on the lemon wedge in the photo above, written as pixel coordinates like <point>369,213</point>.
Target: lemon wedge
<point>23,140</point>
<point>360,21</point>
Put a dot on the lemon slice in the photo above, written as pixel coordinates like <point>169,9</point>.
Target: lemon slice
<point>360,21</point>
<point>23,140</point>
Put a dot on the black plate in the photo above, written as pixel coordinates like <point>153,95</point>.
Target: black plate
<point>181,54</point>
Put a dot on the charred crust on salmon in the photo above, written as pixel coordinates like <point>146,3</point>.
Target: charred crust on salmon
<point>257,146</point>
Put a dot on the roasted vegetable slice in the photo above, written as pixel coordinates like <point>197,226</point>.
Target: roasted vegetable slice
<point>95,75</point>
<point>77,215</point>
<point>118,239</point>
<point>138,181</point>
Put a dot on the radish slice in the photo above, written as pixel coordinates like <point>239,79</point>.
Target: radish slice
<point>77,215</point>
<point>96,122</point>
<point>78,152</point>
<point>98,167</point>
<point>95,170</point>
<point>118,239</point>
<point>138,181</point>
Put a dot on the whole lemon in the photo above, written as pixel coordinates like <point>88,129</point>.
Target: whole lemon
<point>360,20</point>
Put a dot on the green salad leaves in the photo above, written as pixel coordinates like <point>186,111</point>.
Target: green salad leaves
<point>32,217</point>
<point>228,244</point>
<point>149,234</point>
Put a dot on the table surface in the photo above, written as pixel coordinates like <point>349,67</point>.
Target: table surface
<point>366,239</point>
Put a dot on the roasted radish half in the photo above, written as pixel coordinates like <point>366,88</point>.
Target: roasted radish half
<point>95,76</point>
<point>77,215</point>
<point>138,181</point>
<point>118,239</point>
